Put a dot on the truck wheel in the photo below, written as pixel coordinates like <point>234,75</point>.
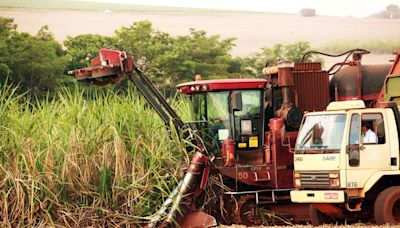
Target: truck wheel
<point>387,206</point>
<point>318,218</point>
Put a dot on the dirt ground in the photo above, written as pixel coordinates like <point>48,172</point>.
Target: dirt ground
<point>252,30</point>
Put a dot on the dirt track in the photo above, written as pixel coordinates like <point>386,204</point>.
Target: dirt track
<point>252,30</point>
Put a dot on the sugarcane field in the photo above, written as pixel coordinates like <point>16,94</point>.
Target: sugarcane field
<point>133,113</point>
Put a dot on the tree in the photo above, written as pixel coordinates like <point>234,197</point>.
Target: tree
<point>254,64</point>
<point>35,63</point>
<point>168,60</point>
<point>7,26</point>
<point>391,12</point>
<point>198,53</point>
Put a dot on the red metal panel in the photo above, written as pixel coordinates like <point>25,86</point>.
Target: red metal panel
<point>312,88</point>
<point>223,84</point>
<point>307,66</point>
<point>283,159</point>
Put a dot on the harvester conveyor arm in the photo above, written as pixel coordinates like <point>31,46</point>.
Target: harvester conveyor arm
<point>111,66</point>
<point>151,93</point>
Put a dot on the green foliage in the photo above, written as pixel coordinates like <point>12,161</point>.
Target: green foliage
<point>197,53</point>
<point>168,60</point>
<point>82,48</point>
<point>7,26</point>
<point>147,45</point>
<point>35,63</point>
<point>254,64</point>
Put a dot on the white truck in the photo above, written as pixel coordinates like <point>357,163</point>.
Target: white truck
<point>341,173</point>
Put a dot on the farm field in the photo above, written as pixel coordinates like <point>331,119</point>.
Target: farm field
<point>252,30</point>
<point>86,158</point>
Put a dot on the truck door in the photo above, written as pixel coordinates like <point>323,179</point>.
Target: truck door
<point>366,157</point>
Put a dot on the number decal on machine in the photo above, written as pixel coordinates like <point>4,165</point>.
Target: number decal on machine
<point>243,175</point>
<point>352,184</point>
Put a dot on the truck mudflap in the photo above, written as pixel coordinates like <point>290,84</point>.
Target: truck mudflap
<point>320,196</point>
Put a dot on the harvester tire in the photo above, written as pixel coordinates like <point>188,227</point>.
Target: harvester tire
<point>318,218</point>
<point>387,206</point>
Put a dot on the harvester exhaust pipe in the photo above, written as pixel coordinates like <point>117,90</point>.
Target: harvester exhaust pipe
<point>285,79</point>
<point>288,111</point>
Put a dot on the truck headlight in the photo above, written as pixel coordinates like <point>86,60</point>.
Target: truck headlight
<point>296,180</point>
<point>334,179</point>
<point>297,183</point>
<point>334,182</point>
<point>334,175</point>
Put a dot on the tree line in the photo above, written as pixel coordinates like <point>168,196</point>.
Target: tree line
<point>38,63</point>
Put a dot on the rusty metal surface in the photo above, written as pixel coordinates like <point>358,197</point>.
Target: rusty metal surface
<point>285,77</point>
<point>307,66</point>
<point>372,79</point>
<point>312,89</point>
<point>330,209</point>
<point>199,220</point>
<point>282,158</point>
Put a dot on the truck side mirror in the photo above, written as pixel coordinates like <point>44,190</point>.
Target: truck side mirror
<point>236,101</point>
<point>354,154</point>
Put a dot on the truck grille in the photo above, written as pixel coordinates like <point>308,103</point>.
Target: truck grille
<point>314,180</point>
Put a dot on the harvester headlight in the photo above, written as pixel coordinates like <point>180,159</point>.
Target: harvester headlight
<point>192,88</point>
<point>197,88</point>
<point>204,88</point>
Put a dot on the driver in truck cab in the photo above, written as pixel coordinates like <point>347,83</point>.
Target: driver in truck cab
<point>368,135</point>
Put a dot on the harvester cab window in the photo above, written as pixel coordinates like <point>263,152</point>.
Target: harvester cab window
<point>248,120</point>
<point>212,114</point>
<point>372,130</point>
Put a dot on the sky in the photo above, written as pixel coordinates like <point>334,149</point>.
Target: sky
<point>343,8</point>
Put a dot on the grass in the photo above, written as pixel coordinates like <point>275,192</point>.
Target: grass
<point>101,6</point>
<point>374,46</point>
<point>77,161</point>
<point>77,5</point>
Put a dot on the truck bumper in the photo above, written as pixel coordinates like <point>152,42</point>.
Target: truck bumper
<point>320,196</point>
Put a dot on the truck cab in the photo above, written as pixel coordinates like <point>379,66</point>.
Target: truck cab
<point>342,172</point>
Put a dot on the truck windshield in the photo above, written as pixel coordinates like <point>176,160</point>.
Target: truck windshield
<point>320,133</point>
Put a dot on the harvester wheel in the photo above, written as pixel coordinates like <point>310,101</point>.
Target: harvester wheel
<point>387,206</point>
<point>318,218</point>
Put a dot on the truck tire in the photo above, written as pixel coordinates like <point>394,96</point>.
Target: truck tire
<point>387,206</point>
<point>318,218</point>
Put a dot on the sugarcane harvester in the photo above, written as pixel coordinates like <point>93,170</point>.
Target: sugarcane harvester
<point>244,134</point>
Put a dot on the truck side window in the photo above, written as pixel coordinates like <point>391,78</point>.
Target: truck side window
<point>373,128</point>
<point>354,137</point>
